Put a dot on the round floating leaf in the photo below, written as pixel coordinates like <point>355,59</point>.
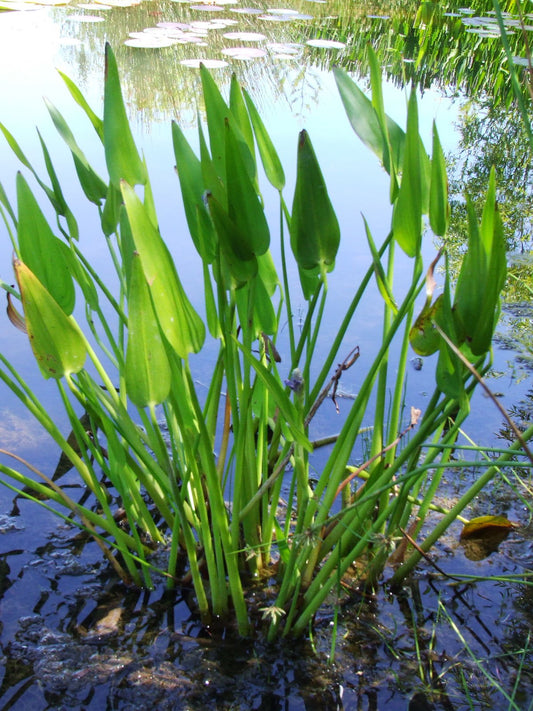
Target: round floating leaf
<point>325,44</point>
<point>244,52</point>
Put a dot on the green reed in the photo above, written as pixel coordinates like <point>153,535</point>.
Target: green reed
<point>202,472</point>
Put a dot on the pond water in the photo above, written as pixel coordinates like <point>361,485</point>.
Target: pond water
<point>71,636</point>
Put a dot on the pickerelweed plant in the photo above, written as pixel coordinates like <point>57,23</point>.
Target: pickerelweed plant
<point>209,490</point>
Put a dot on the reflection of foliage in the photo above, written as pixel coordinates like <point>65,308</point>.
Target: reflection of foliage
<point>492,136</point>
<point>427,44</point>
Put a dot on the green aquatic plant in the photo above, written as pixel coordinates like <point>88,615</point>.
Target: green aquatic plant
<point>202,472</point>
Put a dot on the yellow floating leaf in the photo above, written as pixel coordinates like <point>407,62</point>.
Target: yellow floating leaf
<point>485,526</point>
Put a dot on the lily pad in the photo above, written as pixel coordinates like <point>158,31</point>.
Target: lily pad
<point>287,48</point>
<point>244,52</point>
<point>326,44</point>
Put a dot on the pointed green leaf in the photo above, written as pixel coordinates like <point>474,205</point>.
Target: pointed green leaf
<point>366,123</point>
<point>315,233</point>
<point>60,204</point>
<point>92,184</point>
<point>78,97</point>
<point>439,208</point>
<point>179,322</point>
<point>238,257</point>
<point>269,157</point>
<point>244,206</point>
<point>482,275</point>
<point>111,213</point>
<point>41,250</point>
<point>218,113</point>
<point>190,175</point>
<point>122,158</point>
<point>239,112</point>
<point>407,212</point>
<point>56,341</point>
<point>147,367</point>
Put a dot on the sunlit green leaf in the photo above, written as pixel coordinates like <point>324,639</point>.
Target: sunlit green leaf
<point>147,366</point>
<point>60,204</point>
<point>122,158</point>
<point>41,250</point>
<point>315,233</point>
<point>244,207</point>
<point>407,212</point>
<point>78,97</point>
<point>179,322</point>
<point>190,175</point>
<point>92,184</point>
<point>56,341</point>
<point>269,157</point>
<point>439,207</point>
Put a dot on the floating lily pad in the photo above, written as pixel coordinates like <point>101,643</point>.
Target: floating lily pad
<point>245,36</point>
<point>282,11</point>
<point>208,63</point>
<point>325,44</point>
<point>244,52</point>
<point>276,18</point>
<point>288,48</point>
<point>521,61</point>
<point>174,26</point>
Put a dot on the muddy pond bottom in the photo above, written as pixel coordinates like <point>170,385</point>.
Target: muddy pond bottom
<point>73,637</point>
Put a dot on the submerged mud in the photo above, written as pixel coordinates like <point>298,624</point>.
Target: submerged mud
<point>74,637</point>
